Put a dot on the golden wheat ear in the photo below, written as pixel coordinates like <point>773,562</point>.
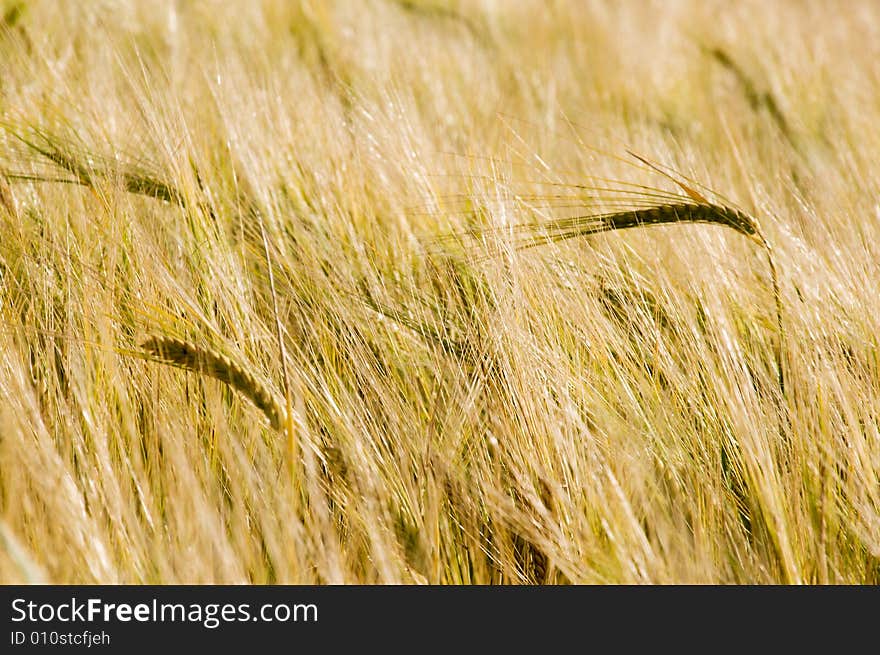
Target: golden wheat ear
<point>694,208</point>
<point>195,358</point>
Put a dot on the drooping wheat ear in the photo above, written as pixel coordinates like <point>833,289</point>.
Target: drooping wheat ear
<point>189,356</point>
<point>85,172</point>
<point>679,212</point>
<point>756,97</point>
<point>698,210</point>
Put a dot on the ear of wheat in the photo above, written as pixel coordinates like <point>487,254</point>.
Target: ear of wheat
<point>535,234</point>
<point>693,207</point>
<point>86,168</point>
<point>684,212</point>
<point>198,359</point>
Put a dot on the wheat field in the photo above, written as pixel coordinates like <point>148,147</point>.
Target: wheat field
<point>465,292</point>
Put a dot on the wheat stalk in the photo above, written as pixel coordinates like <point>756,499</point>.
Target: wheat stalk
<point>192,357</point>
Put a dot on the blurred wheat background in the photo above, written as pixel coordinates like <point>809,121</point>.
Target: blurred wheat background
<point>312,211</point>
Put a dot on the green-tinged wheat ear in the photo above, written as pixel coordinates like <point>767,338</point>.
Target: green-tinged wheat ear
<point>685,212</point>
<point>86,174</point>
<point>198,359</point>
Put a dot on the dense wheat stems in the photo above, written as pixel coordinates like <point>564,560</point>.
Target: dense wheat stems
<point>270,184</point>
